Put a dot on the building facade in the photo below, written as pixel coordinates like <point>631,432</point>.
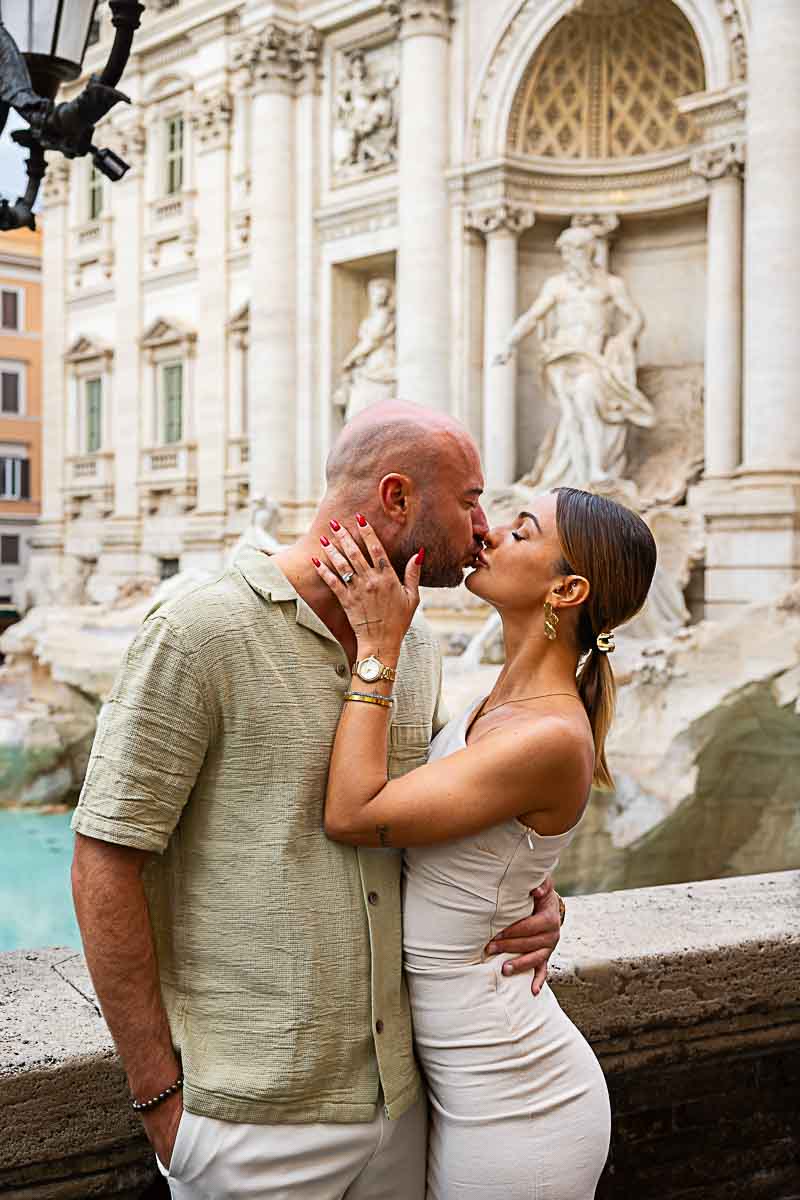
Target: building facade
<point>202,316</point>
<point>20,406</point>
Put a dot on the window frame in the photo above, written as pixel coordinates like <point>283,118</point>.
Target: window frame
<point>19,292</point>
<point>95,192</point>
<point>87,381</point>
<point>174,156</point>
<point>14,366</point>
<point>19,472</point>
<point>10,562</point>
<point>163,368</point>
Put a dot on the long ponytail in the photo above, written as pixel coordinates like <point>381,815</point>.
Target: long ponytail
<point>615,551</point>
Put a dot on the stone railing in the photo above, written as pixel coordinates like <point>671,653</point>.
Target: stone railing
<point>690,995</point>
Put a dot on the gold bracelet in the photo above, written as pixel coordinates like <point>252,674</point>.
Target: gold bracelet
<point>365,698</point>
<point>562,909</point>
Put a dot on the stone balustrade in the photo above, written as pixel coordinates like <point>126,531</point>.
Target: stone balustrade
<point>690,995</point>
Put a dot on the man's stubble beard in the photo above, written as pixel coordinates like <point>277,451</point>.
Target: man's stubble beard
<point>441,568</point>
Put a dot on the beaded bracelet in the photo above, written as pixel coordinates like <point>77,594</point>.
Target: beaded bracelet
<point>147,1105</point>
<point>368,698</point>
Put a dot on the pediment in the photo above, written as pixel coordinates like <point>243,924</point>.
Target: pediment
<point>163,332</point>
<point>85,348</point>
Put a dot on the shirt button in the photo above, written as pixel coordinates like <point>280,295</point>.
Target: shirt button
<point>379,1026</point>
<point>373,897</point>
<point>341,669</point>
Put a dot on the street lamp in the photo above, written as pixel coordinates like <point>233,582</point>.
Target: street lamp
<point>42,45</point>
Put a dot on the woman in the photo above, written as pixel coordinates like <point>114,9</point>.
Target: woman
<point>519,1106</point>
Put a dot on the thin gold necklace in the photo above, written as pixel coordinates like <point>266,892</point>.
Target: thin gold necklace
<point>522,699</point>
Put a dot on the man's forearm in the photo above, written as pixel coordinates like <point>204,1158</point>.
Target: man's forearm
<point>114,920</point>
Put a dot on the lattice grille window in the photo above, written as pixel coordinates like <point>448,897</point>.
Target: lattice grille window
<point>603,85</point>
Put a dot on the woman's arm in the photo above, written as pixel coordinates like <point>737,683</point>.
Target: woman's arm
<point>503,775</point>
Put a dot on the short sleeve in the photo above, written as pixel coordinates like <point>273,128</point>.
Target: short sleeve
<point>152,736</point>
<point>440,714</point>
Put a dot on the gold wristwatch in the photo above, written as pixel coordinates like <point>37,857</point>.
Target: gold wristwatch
<point>372,670</point>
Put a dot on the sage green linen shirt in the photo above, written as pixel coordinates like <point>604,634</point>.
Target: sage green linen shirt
<point>279,951</point>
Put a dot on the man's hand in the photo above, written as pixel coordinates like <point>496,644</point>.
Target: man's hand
<point>161,1127</point>
<point>533,939</point>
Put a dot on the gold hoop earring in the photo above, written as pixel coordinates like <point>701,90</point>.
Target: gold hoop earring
<point>550,622</point>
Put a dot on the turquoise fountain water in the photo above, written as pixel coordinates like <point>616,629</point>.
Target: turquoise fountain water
<point>35,898</point>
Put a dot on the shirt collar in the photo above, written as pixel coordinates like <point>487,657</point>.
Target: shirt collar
<point>264,575</point>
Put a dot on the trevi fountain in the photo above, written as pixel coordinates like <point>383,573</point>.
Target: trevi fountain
<point>532,214</point>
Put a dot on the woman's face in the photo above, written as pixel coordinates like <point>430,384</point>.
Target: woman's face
<point>517,565</point>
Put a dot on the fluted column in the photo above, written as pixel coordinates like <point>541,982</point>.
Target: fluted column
<point>423,260</point>
<point>772,240</point>
<point>722,167</point>
<point>210,119</point>
<point>55,195</point>
<point>275,62</point>
<point>501,226</point>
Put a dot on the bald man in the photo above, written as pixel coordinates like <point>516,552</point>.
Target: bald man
<point>250,970</point>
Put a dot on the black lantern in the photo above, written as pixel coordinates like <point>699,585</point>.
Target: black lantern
<point>42,45</point>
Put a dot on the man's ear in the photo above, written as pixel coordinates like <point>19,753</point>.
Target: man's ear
<point>394,492</point>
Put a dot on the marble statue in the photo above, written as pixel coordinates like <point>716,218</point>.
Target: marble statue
<point>587,326</point>
<point>369,370</point>
<point>261,530</point>
<point>365,118</point>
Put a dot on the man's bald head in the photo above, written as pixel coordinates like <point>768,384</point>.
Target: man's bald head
<point>396,437</point>
<point>416,474</point>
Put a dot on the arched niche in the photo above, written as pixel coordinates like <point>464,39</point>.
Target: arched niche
<point>719,29</point>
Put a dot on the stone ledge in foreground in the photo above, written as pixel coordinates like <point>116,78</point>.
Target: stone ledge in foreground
<point>690,995</point>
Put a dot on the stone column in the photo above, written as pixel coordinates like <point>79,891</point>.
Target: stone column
<point>423,259</point>
<point>722,167</point>
<point>772,241</point>
<point>501,226</point>
<point>128,207</point>
<point>273,61</point>
<point>210,119</point>
<point>55,196</point>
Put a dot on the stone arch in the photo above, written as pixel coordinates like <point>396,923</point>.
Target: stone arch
<point>717,25</point>
<point>165,86</point>
<point>604,86</point>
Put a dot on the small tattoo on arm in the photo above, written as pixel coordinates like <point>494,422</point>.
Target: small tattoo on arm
<point>383,834</point>
<point>381,564</point>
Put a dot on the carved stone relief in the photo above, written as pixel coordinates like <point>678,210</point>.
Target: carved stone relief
<point>365,111</point>
<point>369,371</point>
<point>211,117</point>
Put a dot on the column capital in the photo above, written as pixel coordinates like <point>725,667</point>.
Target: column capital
<point>55,185</point>
<point>413,17</point>
<point>211,116</point>
<point>718,162</point>
<point>278,57</point>
<point>501,217</point>
<point>130,142</point>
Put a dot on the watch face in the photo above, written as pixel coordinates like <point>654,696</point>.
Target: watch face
<point>370,670</point>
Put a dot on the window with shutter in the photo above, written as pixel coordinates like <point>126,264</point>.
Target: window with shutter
<point>9,549</point>
<point>95,193</point>
<point>10,309</point>
<point>172,381</point>
<point>9,403</point>
<point>174,155</point>
<point>94,415</point>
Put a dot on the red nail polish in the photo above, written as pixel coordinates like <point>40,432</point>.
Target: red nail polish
<point>361,520</point>
<point>315,561</point>
<point>420,559</point>
<point>324,540</point>
<point>335,526</point>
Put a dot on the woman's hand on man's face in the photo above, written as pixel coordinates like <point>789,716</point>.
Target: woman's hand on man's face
<point>378,605</point>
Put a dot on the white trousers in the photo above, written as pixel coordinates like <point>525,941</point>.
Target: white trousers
<point>222,1160</point>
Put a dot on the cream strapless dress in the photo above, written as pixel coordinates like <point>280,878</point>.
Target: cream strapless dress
<point>518,1103</point>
